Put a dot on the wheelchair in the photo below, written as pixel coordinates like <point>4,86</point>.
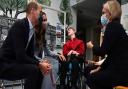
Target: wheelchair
<point>80,83</point>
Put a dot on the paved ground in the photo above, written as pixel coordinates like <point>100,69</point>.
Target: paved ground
<point>14,87</point>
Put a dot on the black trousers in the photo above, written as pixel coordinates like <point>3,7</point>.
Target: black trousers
<point>29,72</point>
<point>64,68</point>
<point>105,79</point>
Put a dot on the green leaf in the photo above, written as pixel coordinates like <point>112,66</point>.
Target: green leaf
<point>124,2</point>
<point>45,2</point>
<point>65,6</point>
<point>10,5</point>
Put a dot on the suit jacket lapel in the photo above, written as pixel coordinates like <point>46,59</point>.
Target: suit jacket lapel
<point>31,43</point>
<point>27,29</point>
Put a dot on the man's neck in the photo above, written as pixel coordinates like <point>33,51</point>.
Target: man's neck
<point>73,36</point>
<point>30,18</point>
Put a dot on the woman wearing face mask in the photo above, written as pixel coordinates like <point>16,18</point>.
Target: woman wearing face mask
<point>113,71</point>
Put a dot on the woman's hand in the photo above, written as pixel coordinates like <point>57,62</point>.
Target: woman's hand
<point>99,62</point>
<point>89,45</point>
<point>62,57</point>
<point>45,67</point>
<point>95,70</point>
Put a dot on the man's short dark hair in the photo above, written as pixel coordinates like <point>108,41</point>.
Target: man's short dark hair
<point>30,6</point>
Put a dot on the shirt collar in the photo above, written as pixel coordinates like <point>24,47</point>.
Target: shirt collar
<point>73,39</point>
<point>30,24</point>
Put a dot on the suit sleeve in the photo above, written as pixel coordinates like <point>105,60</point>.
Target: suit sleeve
<point>18,38</point>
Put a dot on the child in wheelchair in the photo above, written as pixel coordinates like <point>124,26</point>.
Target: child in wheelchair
<point>72,52</point>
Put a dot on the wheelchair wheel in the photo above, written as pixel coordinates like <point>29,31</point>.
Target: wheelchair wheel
<point>81,82</point>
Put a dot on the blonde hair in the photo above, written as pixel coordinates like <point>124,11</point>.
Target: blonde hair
<point>114,9</point>
<point>71,28</point>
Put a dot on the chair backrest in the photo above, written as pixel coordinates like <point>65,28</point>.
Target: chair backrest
<point>120,87</point>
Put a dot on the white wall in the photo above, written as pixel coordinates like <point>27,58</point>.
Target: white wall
<point>1,13</point>
<point>53,15</point>
<point>124,18</point>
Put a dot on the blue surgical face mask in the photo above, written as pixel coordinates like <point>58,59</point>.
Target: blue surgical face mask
<point>104,20</point>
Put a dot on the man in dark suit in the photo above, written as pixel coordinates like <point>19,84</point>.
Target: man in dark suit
<point>17,52</point>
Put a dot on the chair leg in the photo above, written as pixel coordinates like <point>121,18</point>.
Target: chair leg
<point>2,84</point>
<point>22,84</point>
<point>13,84</point>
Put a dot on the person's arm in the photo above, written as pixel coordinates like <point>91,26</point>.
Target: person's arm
<point>18,38</point>
<point>99,62</point>
<point>51,53</point>
<point>65,49</point>
<point>81,48</point>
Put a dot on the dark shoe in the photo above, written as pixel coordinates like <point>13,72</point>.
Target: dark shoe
<point>62,86</point>
<point>74,87</point>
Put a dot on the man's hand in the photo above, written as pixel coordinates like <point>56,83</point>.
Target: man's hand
<point>45,67</point>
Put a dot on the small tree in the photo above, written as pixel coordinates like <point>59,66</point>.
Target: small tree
<point>124,1</point>
<point>45,2</point>
<point>65,6</point>
<point>7,6</point>
<point>20,6</point>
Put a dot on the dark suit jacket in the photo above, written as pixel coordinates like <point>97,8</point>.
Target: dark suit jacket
<point>13,48</point>
<point>115,45</point>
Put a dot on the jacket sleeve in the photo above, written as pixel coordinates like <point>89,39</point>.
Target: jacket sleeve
<point>65,49</point>
<point>51,53</point>
<point>81,48</point>
<point>18,38</point>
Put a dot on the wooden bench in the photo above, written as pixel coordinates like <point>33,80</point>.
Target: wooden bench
<point>120,87</point>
